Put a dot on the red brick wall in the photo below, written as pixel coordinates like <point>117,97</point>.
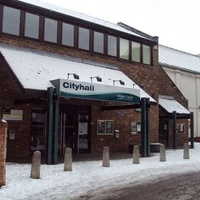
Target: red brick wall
<point>3,137</point>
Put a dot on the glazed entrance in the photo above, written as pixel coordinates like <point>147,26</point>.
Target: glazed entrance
<point>74,132</point>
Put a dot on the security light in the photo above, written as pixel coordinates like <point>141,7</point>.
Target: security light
<point>99,79</point>
<point>120,81</point>
<point>74,75</point>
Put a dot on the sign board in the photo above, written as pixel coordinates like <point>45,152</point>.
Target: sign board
<point>84,90</point>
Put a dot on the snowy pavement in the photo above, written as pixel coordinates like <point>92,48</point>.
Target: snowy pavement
<point>90,176</point>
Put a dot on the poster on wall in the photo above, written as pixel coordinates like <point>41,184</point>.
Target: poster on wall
<point>15,115</point>
<point>135,128</point>
<point>180,127</point>
<point>105,127</point>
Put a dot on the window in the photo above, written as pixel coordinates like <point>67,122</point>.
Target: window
<point>68,34</point>
<point>146,54</point>
<point>50,30</point>
<point>124,49</point>
<point>32,26</point>
<point>98,42</point>
<point>112,46</point>
<point>135,51</point>
<point>83,38</point>
<point>11,21</point>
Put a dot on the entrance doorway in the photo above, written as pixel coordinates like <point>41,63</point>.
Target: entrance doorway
<point>38,131</point>
<point>163,131</point>
<point>74,131</point>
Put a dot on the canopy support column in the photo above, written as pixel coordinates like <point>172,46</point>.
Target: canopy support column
<point>174,131</point>
<point>55,127</point>
<point>48,151</point>
<point>192,130</point>
<point>145,129</point>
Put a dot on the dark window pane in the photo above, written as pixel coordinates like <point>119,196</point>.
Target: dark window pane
<point>83,39</point>
<point>98,42</point>
<point>32,26</point>
<point>135,51</point>
<point>124,49</point>
<point>50,30</point>
<point>112,46</point>
<point>11,21</point>
<point>146,54</point>
<point>68,35</point>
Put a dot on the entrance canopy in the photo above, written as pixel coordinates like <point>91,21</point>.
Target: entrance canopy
<point>170,105</point>
<point>36,70</point>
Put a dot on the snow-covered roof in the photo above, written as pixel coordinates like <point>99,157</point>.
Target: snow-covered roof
<point>35,69</point>
<point>81,16</point>
<point>171,105</point>
<point>178,59</point>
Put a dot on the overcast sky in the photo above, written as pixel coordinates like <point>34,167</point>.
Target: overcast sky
<point>175,22</point>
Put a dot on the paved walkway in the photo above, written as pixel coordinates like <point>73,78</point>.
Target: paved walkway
<point>180,187</point>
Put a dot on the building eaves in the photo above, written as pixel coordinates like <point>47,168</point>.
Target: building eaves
<point>134,30</point>
<point>75,17</point>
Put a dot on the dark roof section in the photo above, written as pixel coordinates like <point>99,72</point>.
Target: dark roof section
<point>134,30</point>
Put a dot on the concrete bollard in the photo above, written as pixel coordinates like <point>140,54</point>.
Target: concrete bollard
<point>186,151</point>
<point>162,153</point>
<point>136,155</point>
<point>68,160</point>
<point>106,157</point>
<point>36,163</point>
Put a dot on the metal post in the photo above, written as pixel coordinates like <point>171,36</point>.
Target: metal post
<point>148,127</point>
<point>143,127</point>
<point>192,130</point>
<point>48,153</point>
<point>174,131</point>
<point>55,127</point>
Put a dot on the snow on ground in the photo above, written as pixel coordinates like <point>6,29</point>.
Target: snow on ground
<point>90,176</point>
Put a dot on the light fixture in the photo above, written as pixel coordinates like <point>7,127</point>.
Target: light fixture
<point>74,74</point>
<point>99,79</point>
<point>120,81</point>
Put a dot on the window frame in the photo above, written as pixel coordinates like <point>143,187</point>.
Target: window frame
<point>89,39</point>
<point>103,42</point>
<point>128,56</point>
<point>74,35</point>
<point>24,25</point>
<point>20,21</point>
<point>140,51</point>
<point>56,40</point>
<point>150,55</point>
<point>106,46</point>
<point>1,17</point>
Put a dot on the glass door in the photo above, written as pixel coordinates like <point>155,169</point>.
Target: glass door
<point>68,132</point>
<point>163,135</point>
<point>74,132</point>
<point>83,137</point>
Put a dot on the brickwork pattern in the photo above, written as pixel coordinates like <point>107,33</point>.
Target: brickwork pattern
<point>3,138</point>
<point>153,79</point>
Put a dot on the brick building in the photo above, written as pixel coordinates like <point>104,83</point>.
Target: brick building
<point>70,80</point>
